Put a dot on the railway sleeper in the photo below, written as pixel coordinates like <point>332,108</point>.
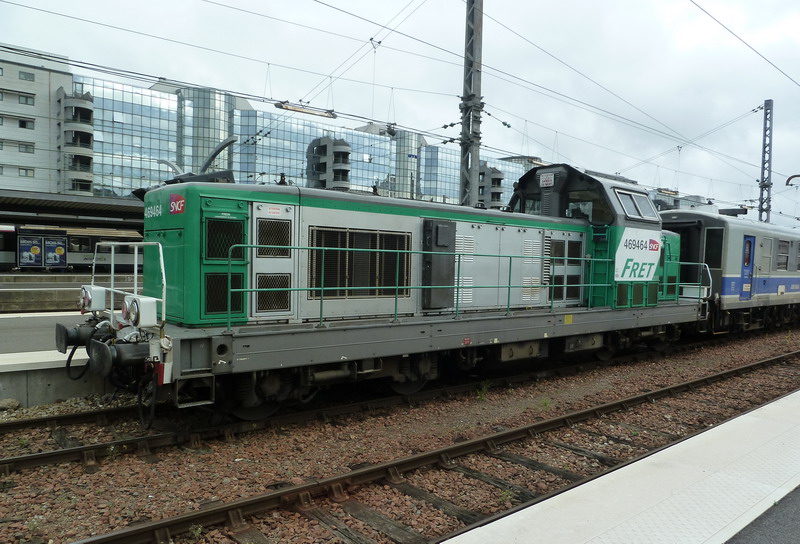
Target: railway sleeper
<point>606,460</point>
<point>639,429</point>
<point>610,438</point>
<point>521,494</point>
<point>468,517</point>
<point>336,526</point>
<point>383,524</point>
<point>536,465</point>
<point>243,533</point>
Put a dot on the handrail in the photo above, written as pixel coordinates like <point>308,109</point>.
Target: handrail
<point>113,290</point>
<point>457,286</point>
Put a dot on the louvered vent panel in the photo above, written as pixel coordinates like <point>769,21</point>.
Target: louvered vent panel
<point>465,290</point>
<point>466,246</point>
<point>546,264</point>
<point>531,288</point>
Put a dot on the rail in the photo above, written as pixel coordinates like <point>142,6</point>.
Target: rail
<point>527,289</point>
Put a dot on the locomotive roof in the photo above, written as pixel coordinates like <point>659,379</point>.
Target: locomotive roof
<point>347,196</point>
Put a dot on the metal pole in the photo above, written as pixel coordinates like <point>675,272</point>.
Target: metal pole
<point>471,104</point>
<point>765,185</point>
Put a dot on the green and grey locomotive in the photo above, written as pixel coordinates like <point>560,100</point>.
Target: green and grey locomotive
<point>257,294</point>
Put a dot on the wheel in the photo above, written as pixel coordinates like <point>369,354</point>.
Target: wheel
<point>408,387</point>
<point>256,413</point>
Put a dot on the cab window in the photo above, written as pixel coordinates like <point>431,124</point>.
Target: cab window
<point>637,205</point>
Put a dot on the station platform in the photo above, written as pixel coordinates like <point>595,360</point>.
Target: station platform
<point>705,489</point>
<point>31,370</point>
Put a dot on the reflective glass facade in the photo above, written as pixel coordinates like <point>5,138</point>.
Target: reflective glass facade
<point>134,127</point>
<point>273,143</point>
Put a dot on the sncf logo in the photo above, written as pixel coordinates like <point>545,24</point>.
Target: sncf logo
<point>654,245</point>
<point>177,204</point>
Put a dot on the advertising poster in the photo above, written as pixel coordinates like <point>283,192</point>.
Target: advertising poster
<point>55,251</point>
<point>29,250</point>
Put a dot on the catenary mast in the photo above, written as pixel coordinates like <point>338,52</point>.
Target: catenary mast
<point>765,184</point>
<point>471,104</point>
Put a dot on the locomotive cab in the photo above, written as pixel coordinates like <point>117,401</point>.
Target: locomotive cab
<point>562,191</point>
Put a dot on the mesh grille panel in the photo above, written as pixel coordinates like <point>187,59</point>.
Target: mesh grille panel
<point>358,273</point>
<point>217,293</point>
<point>272,232</point>
<point>221,234</point>
<point>271,301</point>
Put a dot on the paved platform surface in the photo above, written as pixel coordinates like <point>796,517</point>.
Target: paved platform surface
<point>704,490</point>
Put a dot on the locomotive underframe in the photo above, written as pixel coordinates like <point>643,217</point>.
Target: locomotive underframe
<point>411,351</point>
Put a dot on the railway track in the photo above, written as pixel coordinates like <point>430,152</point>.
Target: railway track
<point>58,445</point>
<point>519,466</point>
<point>64,447</point>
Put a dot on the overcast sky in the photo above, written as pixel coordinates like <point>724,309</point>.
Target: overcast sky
<point>603,85</point>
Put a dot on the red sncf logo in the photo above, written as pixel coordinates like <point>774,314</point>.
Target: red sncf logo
<point>653,245</point>
<point>177,204</point>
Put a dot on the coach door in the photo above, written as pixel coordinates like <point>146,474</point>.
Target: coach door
<point>748,257</point>
<point>273,268</point>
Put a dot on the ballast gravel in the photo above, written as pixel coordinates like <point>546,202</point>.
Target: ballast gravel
<point>60,504</point>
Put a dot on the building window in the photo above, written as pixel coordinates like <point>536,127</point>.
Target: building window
<point>26,99</point>
<point>26,148</point>
<point>26,123</point>
<point>26,172</point>
<point>27,76</point>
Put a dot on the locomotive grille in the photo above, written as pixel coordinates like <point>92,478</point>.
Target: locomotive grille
<point>531,294</point>
<point>546,264</point>
<point>638,294</point>
<point>531,249</point>
<point>272,232</point>
<point>466,246</point>
<point>221,234</point>
<point>622,294</point>
<point>652,293</point>
<point>465,290</point>
<point>217,293</point>
<point>272,301</point>
<point>373,273</point>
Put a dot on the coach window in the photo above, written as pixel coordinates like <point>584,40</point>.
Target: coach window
<point>80,244</point>
<point>748,250</point>
<point>782,258</point>
<point>714,247</point>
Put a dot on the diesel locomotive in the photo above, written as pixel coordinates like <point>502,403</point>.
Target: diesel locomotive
<point>255,295</point>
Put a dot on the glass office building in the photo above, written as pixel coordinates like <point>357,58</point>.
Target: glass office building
<point>134,128</point>
<point>114,137</point>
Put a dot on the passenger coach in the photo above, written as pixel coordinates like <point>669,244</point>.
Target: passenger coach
<point>755,267</point>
